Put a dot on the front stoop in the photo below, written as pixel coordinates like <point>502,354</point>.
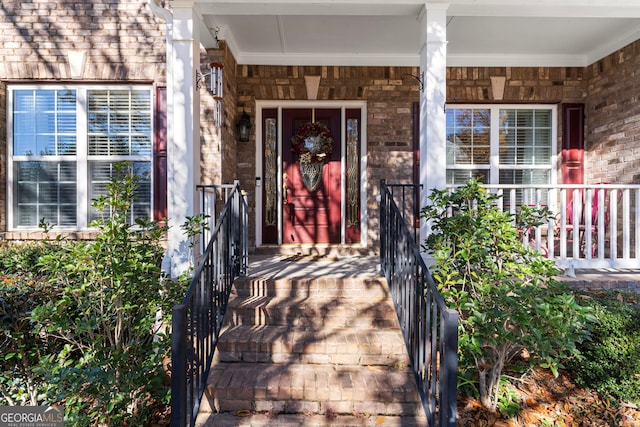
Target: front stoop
<point>311,351</point>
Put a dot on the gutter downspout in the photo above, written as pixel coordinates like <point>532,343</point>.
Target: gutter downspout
<point>158,10</point>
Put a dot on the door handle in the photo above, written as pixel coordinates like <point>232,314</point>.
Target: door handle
<point>285,190</point>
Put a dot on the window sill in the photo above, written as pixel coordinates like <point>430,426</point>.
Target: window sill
<point>39,235</point>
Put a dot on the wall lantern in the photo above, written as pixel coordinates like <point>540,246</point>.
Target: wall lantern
<point>243,126</point>
<point>215,78</point>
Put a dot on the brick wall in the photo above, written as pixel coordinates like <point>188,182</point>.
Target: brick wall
<point>211,144</point>
<point>389,102</point>
<point>532,85</point>
<point>123,40</point>
<point>217,127</point>
<point>389,116</point>
<point>613,118</point>
<point>544,85</point>
<point>609,88</point>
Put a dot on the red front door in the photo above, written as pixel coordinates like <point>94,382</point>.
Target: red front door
<point>311,215</point>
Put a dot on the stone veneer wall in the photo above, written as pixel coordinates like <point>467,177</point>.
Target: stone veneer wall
<point>389,117</point>
<point>613,118</point>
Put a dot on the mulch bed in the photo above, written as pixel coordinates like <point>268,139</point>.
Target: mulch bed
<point>548,401</point>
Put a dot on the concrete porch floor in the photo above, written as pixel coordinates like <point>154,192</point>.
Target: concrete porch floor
<point>277,266</point>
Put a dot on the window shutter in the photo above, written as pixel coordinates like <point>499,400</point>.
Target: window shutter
<point>573,144</point>
<point>160,156</point>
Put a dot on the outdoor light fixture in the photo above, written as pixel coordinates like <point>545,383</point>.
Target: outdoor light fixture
<point>243,126</point>
<point>215,76</point>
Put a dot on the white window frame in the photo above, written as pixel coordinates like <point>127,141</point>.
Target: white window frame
<point>494,166</point>
<point>81,158</point>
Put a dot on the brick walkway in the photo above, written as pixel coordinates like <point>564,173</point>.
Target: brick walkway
<point>311,343</point>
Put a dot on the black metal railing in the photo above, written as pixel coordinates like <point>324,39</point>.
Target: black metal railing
<point>430,329</point>
<point>407,198</point>
<point>196,323</point>
<point>213,198</point>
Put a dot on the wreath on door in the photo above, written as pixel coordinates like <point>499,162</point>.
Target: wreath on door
<point>313,145</point>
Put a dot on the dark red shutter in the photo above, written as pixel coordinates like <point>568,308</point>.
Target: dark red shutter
<point>160,155</point>
<point>573,144</point>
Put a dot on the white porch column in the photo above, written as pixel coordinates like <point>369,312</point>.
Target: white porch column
<point>433,63</point>
<point>183,150</point>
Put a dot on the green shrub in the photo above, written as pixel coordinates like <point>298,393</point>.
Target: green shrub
<point>610,362</point>
<point>24,259</point>
<point>21,348</point>
<point>109,293</point>
<point>505,294</point>
<point>86,318</point>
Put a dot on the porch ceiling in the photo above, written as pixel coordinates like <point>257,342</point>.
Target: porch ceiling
<point>377,32</point>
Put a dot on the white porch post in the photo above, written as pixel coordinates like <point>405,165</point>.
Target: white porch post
<point>433,63</point>
<point>183,150</point>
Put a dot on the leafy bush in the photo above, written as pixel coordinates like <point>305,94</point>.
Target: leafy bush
<point>610,362</point>
<point>22,349</point>
<point>24,259</point>
<point>88,326</point>
<point>506,296</point>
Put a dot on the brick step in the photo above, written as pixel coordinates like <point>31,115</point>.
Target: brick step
<point>244,419</point>
<point>334,346</point>
<point>311,389</point>
<point>311,287</point>
<point>311,312</point>
<point>311,344</point>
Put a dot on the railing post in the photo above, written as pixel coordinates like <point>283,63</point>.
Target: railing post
<point>449,368</point>
<point>203,232</point>
<point>416,213</point>
<point>236,238</point>
<point>178,366</point>
<point>245,235</point>
<point>383,224</point>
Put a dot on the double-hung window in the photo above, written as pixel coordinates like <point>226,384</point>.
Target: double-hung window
<point>501,144</point>
<point>64,144</point>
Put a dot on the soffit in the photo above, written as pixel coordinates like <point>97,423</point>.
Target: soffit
<point>369,32</point>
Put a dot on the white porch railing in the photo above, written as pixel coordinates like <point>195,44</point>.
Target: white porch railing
<point>593,225</point>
